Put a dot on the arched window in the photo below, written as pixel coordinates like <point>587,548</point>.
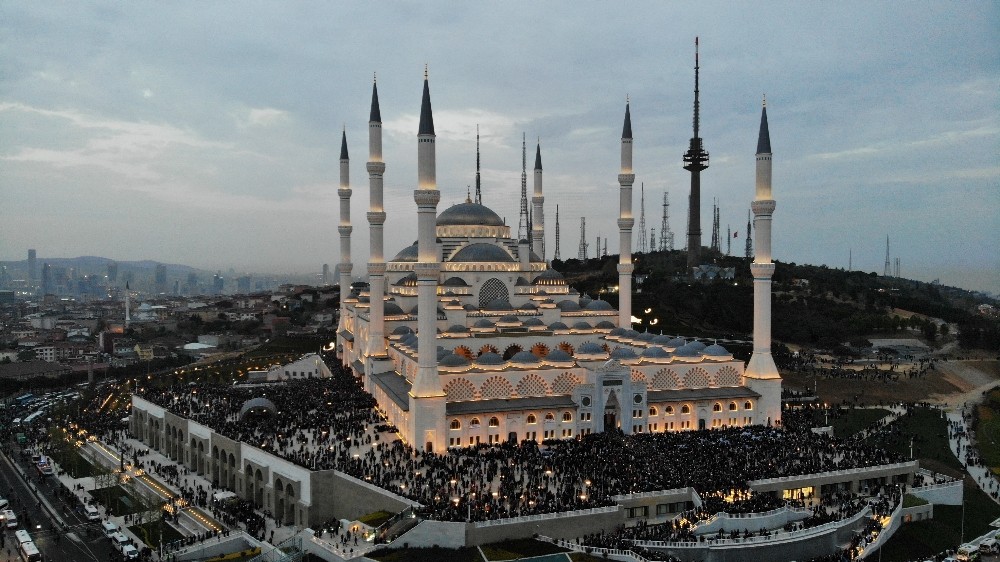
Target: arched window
<point>455,424</point>
<point>550,416</point>
<point>717,407</point>
<point>494,422</point>
<point>531,419</point>
<point>669,410</point>
<point>748,406</point>
<point>732,406</point>
<point>685,409</point>
<point>567,417</point>
<point>474,422</point>
<point>653,411</point>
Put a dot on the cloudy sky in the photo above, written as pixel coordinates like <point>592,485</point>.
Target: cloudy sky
<point>208,133</point>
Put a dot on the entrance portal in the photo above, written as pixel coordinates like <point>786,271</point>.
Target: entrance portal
<point>609,420</point>
<point>701,423</point>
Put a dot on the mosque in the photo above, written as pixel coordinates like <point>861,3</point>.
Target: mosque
<point>468,336</point>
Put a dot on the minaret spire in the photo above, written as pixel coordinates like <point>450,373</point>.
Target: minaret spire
<point>376,220</point>
<point>537,210</point>
<point>346,266</point>
<point>479,185</point>
<point>522,222</point>
<point>695,160</point>
<point>557,255</point>
<point>761,374</point>
<point>626,177</point>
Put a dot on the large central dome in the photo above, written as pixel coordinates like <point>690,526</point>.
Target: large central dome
<point>469,214</point>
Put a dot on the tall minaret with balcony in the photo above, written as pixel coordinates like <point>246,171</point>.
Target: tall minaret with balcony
<point>761,374</point>
<point>344,228</point>
<point>427,397</point>
<point>537,213</point>
<point>376,218</point>
<point>625,222</point>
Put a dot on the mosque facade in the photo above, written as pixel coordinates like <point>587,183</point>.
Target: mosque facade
<point>468,336</point>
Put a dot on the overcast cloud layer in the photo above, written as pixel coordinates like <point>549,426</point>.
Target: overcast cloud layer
<point>208,133</point>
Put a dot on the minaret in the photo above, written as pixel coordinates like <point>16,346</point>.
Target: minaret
<point>376,220</point>
<point>625,221</point>
<point>427,397</point>
<point>761,374</point>
<point>479,183</point>
<point>522,221</point>
<point>128,306</point>
<point>537,216</point>
<point>557,255</point>
<point>346,266</point>
<point>695,160</point>
<point>642,219</point>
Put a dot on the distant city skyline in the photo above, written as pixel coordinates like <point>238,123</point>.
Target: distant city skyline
<point>217,146</point>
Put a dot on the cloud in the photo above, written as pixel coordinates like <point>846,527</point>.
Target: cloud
<point>264,116</point>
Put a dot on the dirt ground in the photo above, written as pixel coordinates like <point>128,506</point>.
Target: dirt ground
<point>951,382</point>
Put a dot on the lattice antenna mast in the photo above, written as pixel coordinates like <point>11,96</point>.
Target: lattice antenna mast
<point>729,239</point>
<point>479,183</point>
<point>604,252</point>
<point>716,244</point>
<point>642,219</point>
<point>652,239</point>
<point>666,236</point>
<point>582,253</point>
<point>557,256</point>
<point>522,223</point>
<point>531,219</point>
<point>749,248</point>
<point>888,268</point>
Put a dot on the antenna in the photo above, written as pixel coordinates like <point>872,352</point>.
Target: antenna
<point>479,185</point>
<point>642,219</point>
<point>729,239</point>
<point>582,253</point>
<point>666,236</point>
<point>522,223</point>
<point>888,269</point>
<point>716,244</point>
<point>652,239</point>
<point>557,256</point>
<point>749,248</point>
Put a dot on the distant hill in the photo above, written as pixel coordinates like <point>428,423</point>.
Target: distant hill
<point>812,305</point>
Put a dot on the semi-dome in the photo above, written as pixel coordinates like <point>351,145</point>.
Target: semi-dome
<point>557,325</point>
<point>534,322</point>
<point>589,348</point>
<point>550,277</point>
<point>402,330</point>
<point>454,282</point>
<point>498,304</point>
<point>521,282</point>
<point>408,280</point>
<point>528,306</point>
<point>581,325</point>
<point>482,252</point>
<point>525,358</point>
<point>508,319</point>
<point>469,214</point>
<point>442,353</point>
<point>390,308</point>
<point>484,323</point>
<point>490,358</point>
<point>558,356</point>
<point>408,253</point>
<point>715,350</point>
<point>470,307</point>
<point>457,329</point>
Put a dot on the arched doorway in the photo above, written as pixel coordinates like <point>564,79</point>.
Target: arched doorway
<point>612,411</point>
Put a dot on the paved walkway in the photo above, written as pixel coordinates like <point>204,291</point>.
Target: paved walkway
<point>964,444</point>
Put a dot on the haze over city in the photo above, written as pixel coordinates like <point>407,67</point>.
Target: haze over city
<point>209,135</point>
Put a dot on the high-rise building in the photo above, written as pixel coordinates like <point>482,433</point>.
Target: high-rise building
<point>160,278</point>
<point>32,265</point>
<point>112,272</point>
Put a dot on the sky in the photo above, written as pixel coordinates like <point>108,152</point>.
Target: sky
<point>208,134</point>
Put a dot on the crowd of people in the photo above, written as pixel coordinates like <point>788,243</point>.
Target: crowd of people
<point>331,423</point>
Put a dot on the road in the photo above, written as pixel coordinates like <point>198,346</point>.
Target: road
<point>80,541</point>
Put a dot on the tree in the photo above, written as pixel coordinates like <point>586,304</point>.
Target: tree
<point>26,355</point>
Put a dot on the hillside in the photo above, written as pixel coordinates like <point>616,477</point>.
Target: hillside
<point>812,305</point>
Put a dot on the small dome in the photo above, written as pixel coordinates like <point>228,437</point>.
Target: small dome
<point>605,325</point>
<point>599,305</point>
<point>470,307</point>
<point>686,351</point>
<point>490,358</point>
<point>469,214</point>
<point>407,254</point>
<point>585,300</point>
<point>482,252</point>
<point>590,348</point>
<point>402,330</point>
<point>457,329</point>
<point>442,353</point>
<point>645,336</point>
<point>617,332</point>
<point>581,325</point>
<point>697,345</point>
<point>484,323</point>
<point>525,358</point>
<point>528,306</point>
<point>391,308</point>
<point>568,305</point>
<point>534,322</point>
<point>662,339</point>
<point>715,350</point>
<point>508,319</point>
<point>623,353</point>
<point>655,352</point>
<point>550,277</point>
<point>521,282</point>
<point>409,280</point>
<point>499,304</point>
<point>631,334</point>
<point>454,282</point>
<point>558,356</point>
<point>409,340</point>
<point>558,326</point>
<point>452,360</point>
<point>677,342</point>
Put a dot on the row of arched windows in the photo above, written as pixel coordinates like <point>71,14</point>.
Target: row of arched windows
<point>531,419</point>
